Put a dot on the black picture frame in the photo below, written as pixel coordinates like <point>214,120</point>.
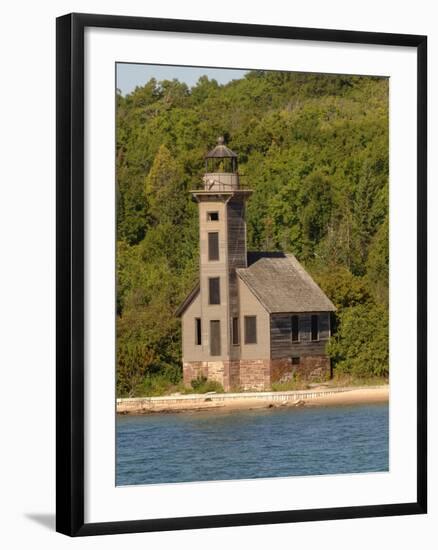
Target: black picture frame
<point>70,273</point>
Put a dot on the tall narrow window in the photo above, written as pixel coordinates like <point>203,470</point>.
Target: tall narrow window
<point>295,328</point>
<point>250,329</point>
<point>213,246</point>
<point>214,291</point>
<point>315,327</point>
<point>215,337</point>
<point>198,332</point>
<point>235,331</point>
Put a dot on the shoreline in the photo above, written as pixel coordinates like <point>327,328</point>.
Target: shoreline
<point>318,397</point>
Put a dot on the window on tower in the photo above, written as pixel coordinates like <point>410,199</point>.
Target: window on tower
<point>212,216</point>
<point>213,246</point>
<point>214,291</point>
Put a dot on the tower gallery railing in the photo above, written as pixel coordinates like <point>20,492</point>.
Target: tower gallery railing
<point>222,182</point>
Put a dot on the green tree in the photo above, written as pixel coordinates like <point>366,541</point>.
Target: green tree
<point>378,264</point>
<point>316,212</point>
<point>165,189</point>
<point>341,286</point>
<point>360,346</point>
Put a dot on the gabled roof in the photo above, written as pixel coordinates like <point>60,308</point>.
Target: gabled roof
<point>279,282</point>
<point>282,285</point>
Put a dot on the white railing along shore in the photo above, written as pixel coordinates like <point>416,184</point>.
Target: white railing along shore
<point>130,403</point>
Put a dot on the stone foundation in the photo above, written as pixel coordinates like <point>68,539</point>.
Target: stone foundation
<point>234,376</point>
<point>315,367</point>
<point>282,370</point>
<point>256,374</point>
<point>193,370</point>
<point>310,367</point>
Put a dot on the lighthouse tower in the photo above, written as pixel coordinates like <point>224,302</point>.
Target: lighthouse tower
<point>222,249</point>
<point>222,235</point>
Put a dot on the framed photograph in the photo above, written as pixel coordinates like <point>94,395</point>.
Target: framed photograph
<point>241,274</point>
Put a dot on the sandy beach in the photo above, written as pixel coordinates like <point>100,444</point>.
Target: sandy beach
<point>353,396</point>
<point>316,397</point>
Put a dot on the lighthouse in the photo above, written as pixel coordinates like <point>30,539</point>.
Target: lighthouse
<point>251,319</point>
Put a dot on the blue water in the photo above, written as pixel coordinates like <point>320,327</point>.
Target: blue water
<point>201,446</point>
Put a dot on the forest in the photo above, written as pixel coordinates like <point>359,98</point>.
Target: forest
<point>314,149</point>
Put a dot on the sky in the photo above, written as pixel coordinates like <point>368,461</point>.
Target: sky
<point>130,75</point>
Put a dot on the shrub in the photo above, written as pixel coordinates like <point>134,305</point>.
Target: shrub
<point>360,347</point>
<point>133,362</point>
<point>162,380</point>
<point>203,385</point>
<point>295,383</point>
<point>198,382</point>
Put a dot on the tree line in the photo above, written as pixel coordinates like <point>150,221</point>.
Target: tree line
<point>314,149</point>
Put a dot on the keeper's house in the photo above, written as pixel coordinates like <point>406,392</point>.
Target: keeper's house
<point>253,318</point>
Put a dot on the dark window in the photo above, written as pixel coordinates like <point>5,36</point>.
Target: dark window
<point>250,329</point>
<point>214,291</point>
<point>215,337</point>
<point>295,360</point>
<point>295,328</point>
<point>198,337</point>
<point>315,328</point>
<point>235,331</point>
<point>213,246</point>
<point>213,216</point>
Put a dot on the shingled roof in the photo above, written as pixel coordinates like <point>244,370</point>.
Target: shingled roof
<point>282,285</point>
<point>279,282</point>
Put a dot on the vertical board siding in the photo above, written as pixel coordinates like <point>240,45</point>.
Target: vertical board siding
<point>234,294</point>
<point>236,240</point>
<point>235,331</point>
<point>236,233</point>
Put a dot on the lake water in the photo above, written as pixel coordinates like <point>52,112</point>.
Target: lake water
<point>201,446</point>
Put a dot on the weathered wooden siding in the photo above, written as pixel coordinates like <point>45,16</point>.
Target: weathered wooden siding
<point>281,335</point>
<point>234,293</point>
<point>236,235</point>
<point>236,232</point>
